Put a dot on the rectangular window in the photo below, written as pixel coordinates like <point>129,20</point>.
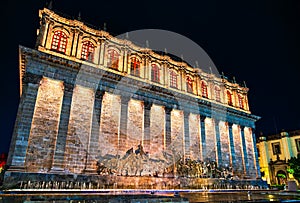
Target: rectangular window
<point>297,142</point>
<point>276,148</point>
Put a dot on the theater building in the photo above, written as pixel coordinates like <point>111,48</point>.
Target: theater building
<point>88,97</point>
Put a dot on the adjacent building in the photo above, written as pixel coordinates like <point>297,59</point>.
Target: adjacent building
<point>273,153</point>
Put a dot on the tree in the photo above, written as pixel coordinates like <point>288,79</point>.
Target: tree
<point>294,167</point>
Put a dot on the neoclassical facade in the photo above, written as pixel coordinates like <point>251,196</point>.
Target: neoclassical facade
<point>88,96</point>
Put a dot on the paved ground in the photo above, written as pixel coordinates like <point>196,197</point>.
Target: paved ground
<point>151,196</point>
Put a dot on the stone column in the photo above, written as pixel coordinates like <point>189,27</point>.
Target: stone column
<point>43,31</point>
<point>102,51</point>
<point>93,147</point>
<point>19,142</point>
<point>147,111</point>
<point>203,137</point>
<point>258,175</point>
<point>218,140</point>
<point>123,123</point>
<point>123,61</point>
<point>245,157</point>
<point>186,134</point>
<point>75,42</point>
<point>231,143</point>
<point>59,153</point>
<point>168,126</point>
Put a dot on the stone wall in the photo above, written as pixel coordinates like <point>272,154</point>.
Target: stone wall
<point>44,128</point>
<point>239,166</point>
<point>210,140</point>
<point>109,126</point>
<point>225,148</point>
<point>194,124</point>
<point>157,129</point>
<point>177,130</point>
<point>79,129</point>
<point>135,124</point>
<point>250,153</point>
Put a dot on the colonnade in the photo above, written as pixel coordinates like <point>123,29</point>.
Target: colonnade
<point>210,139</point>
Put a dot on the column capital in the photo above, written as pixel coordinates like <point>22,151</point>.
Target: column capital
<point>202,118</point>
<point>99,93</point>
<point>217,121</point>
<point>68,87</point>
<point>186,113</point>
<point>168,109</point>
<point>31,78</point>
<point>229,124</point>
<point>148,104</point>
<point>125,99</point>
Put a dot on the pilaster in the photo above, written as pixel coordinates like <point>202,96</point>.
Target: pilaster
<point>90,166</point>
<point>59,153</point>
<point>19,143</point>
<point>102,51</point>
<point>203,137</point>
<point>123,123</point>
<point>218,140</point>
<point>231,145</point>
<point>257,168</point>
<point>245,156</point>
<point>147,111</point>
<point>186,134</point>
<point>168,126</point>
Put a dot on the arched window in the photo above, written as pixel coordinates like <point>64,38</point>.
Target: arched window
<point>173,79</point>
<point>113,59</point>
<point>229,98</point>
<point>135,66</point>
<point>241,101</point>
<point>217,93</point>
<point>189,84</point>
<point>155,73</point>
<point>87,51</point>
<point>59,41</point>
<point>204,89</point>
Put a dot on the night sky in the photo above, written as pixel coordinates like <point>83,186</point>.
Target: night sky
<point>258,42</point>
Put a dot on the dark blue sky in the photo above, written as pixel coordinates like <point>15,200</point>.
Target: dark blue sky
<point>258,42</point>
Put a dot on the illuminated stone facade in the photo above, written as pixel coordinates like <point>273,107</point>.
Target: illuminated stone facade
<point>88,97</point>
<point>274,152</point>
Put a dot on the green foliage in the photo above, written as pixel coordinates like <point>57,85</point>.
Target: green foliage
<point>294,164</point>
<point>281,175</point>
<point>278,187</point>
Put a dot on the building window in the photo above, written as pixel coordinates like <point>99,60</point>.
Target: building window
<point>189,84</point>
<point>229,98</point>
<point>241,101</point>
<point>135,66</point>
<point>217,93</point>
<point>113,59</point>
<point>276,148</point>
<point>204,89</point>
<point>297,141</point>
<point>155,73</point>
<point>87,51</point>
<point>173,79</point>
<point>59,41</point>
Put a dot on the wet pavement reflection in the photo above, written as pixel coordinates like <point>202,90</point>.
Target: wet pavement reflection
<point>148,196</point>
